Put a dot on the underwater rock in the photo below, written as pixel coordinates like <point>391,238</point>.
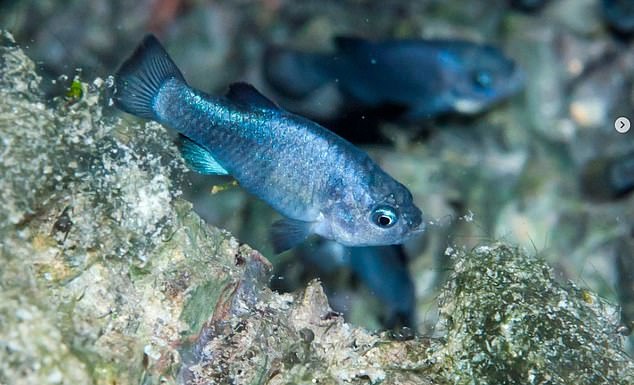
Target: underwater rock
<point>107,276</point>
<point>104,268</point>
<point>506,320</point>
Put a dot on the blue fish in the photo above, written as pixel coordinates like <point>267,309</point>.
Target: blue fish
<point>608,178</point>
<point>528,5</point>
<point>426,78</point>
<point>619,15</point>
<point>318,181</point>
<point>382,269</point>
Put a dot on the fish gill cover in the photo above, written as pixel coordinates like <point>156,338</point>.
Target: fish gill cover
<point>107,276</point>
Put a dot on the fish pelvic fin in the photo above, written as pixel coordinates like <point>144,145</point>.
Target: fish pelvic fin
<point>140,77</point>
<point>288,233</point>
<point>198,159</point>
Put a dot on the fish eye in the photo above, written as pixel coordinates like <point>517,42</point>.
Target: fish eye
<point>384,216</point>
<point>483,79</point>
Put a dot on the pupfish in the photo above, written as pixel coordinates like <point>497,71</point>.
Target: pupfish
<point>320,183</point>
<point>608,177</point>
<point>427,78</point>
<point>382,270</point>
<point>528,5</point>
<point>619,15</point>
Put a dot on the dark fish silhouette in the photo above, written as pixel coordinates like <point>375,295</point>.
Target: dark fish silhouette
<point>619,15</point>
<point>382,269</point>
<point>608,178</point>
<point>528,5</point>
<point>424,78</point>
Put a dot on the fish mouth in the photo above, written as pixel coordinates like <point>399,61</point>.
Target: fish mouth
<point>517,80</point>
<point>419,229</point>
<point>415,231</point>
<point>468,106</point>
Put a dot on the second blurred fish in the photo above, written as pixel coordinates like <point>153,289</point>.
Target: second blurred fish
<point>382,270</point>
<point>619,16</point>
<point>425,78</point>
<point>608,178</point>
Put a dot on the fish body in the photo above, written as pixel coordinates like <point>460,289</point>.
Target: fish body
<point>528,5</point>
<point>619,15</point>
<point>426,78</point>
<point>608,178</point>
<point>382,270</point>
<point>318,181</point>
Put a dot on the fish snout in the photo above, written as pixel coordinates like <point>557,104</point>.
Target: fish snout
<point>414,220</point>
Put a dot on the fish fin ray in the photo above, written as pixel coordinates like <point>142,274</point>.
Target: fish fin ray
<point>288,233</point>
<point>198,159</point>
<point>140,77</point>
<point>246,94</point>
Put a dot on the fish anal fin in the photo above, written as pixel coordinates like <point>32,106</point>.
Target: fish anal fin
<point>198,158</point>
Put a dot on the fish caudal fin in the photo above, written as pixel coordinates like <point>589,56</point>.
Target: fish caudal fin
<point>291,73</point>
<point>139,79</point>
<point>288,233</point>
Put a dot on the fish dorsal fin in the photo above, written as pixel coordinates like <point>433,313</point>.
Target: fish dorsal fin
<point>198,158</point>
<point>349,43</point>
<point>246,94</point>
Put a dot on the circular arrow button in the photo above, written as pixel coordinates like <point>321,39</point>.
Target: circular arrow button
<point>622,124</point>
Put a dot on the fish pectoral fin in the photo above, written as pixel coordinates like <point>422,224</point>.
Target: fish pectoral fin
<point>287,233</point>
<point>198,158</point>
<point>246,94</point>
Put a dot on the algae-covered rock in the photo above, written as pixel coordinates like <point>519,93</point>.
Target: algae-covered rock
<point>103,269</point>
<point>506,320</point>
<point>108,277</point>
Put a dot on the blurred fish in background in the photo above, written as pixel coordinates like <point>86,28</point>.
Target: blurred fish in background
<point>406,80</point>
<point>619,15</point>
<point>608,177</point>
<point>381,270</point>
<point>528,5</point>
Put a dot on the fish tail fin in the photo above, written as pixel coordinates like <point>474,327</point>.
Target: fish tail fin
<point>140,77</point>
<point>292,73</point>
